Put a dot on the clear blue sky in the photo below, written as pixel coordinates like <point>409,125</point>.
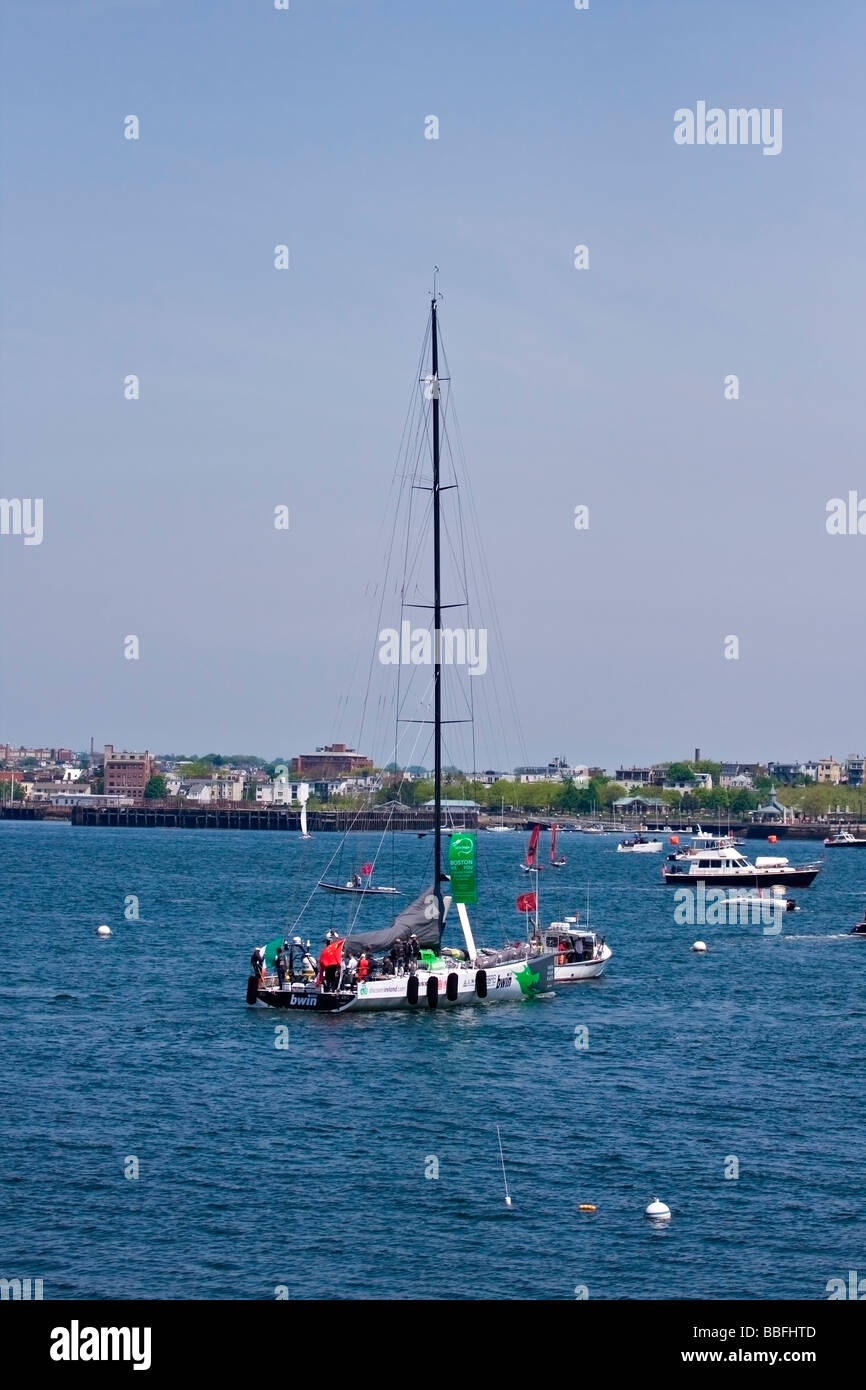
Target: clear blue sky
<point>602,387</point>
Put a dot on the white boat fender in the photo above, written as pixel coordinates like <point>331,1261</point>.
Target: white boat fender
<point>103,931</point>
<point>412,989</point>
<point>452,985</point>
<point>700,946</point>
<point>658,1211</point>
<point>432,992</point>
<point>481,983</point>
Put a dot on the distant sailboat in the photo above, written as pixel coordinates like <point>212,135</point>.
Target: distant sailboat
<point>501,828</point>
<point>303,798</point>
<point>555,863</point>
<point>532,865</point>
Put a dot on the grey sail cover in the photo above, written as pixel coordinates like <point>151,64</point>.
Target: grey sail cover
<point>420,917</point>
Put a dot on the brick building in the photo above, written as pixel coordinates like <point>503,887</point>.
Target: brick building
<point>334,760</point>
<point>126,774</point>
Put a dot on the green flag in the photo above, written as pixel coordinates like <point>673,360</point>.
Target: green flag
<point>271,950</point>
<point>461,867</point>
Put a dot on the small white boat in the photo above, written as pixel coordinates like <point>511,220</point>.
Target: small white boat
<point>579,954</point>
<point>773,898</point>
<point>640,846</point>
<point>365,889</point>
<point>843,837</point>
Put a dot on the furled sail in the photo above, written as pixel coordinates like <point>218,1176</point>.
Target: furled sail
<point>420,917</point>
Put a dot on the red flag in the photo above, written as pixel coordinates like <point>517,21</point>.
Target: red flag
<point>527,902</point>
<point>332,954</point>
<point>366,869</point>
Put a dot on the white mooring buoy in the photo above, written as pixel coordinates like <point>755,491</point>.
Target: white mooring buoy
<point>699,946</point>
<point>658,1211</point>
<point>103,930</point>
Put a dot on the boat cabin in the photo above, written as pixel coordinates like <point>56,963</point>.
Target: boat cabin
<point>575,946</point>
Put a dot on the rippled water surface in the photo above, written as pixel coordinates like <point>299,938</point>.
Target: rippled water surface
<point>305,1167</point>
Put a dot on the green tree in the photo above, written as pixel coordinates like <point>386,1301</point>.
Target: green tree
<point>680,772</point>
<point>155,788</point>
<point>199,768</point>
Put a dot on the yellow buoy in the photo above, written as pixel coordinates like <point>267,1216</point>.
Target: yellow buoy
<point>586,1206</point>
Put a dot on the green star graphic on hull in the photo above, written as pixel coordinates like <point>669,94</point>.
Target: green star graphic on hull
<point>528,980</point>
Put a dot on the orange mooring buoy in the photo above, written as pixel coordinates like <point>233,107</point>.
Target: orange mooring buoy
<point>586,1206</point>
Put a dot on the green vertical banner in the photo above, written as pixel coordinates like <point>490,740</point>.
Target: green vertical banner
<point>462,868</point>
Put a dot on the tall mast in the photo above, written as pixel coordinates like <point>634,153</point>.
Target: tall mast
<point>437,628</point>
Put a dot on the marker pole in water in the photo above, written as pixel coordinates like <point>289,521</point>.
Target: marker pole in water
<point>502,1161</point>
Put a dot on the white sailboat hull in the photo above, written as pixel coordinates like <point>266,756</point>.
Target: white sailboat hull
<point>651,847</point>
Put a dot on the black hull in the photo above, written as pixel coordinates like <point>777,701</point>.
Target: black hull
<point>791,878</point>
<point>289,999</point>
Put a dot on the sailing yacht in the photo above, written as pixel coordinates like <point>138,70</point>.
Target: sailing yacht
<point>501,828</point>
<point>303,798</point>
<point>531,864</point>
<point>438,976</point>
<point>556,861</point>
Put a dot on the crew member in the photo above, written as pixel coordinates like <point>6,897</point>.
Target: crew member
<point>398,955</point>
<point>363,966</point>
<point>296,958</point>
<point>413,950</point>
<point>330,962</point>
<point>281,960</point>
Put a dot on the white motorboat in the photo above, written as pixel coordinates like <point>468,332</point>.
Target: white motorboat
<point>842,838</point>
<point>754,901</point>
<point>580,954</point>
<point>638,845</point>
<point>363,889</point>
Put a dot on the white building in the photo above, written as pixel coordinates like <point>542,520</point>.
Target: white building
<point>280,791</point>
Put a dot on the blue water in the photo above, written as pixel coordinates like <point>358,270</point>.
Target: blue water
<point>305,1167</point>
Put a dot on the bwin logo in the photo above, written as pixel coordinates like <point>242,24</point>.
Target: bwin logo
<point>76,1343</point>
